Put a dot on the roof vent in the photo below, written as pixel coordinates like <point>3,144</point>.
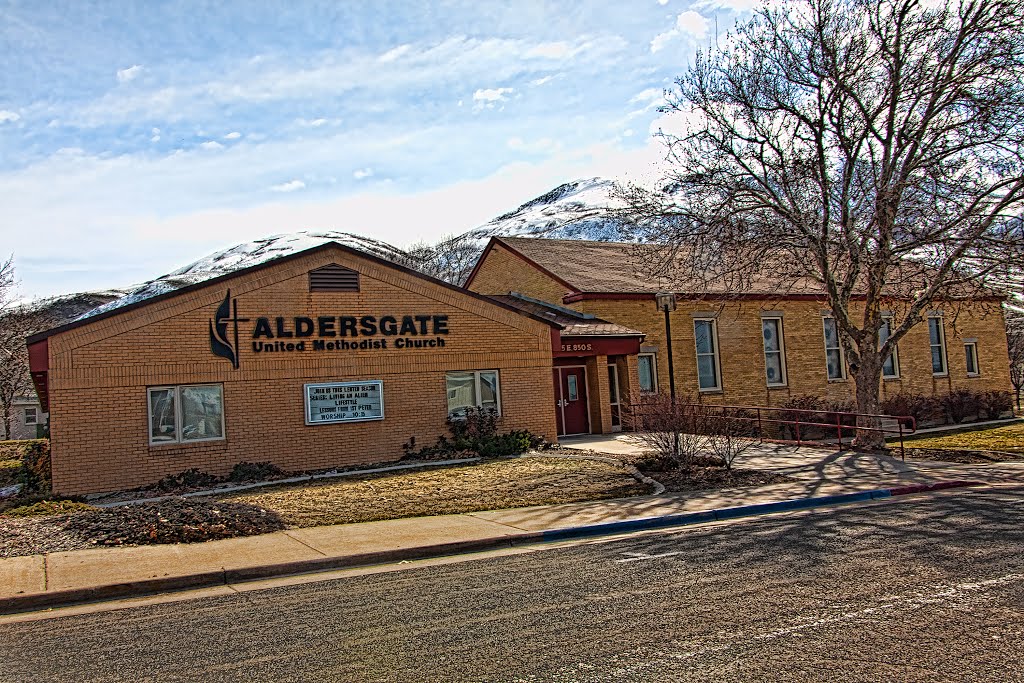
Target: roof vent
<point>333,278</point>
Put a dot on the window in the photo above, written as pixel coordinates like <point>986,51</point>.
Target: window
<point>185,414</point>
<point>774,354</point>
<point>937,340</point>
<point>647,368</point>
<point>834,364</point>
<point>31,417</point>
<point>478,389</point>
<point>971,351</point>
<point>891,364</point>
<point>707,355</point>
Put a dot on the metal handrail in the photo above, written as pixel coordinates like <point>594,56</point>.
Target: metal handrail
<point>905,424</point>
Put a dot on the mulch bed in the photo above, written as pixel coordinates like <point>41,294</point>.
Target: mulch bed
<point>959,456</point>
<point>176,520</point>
<point>707,478</point>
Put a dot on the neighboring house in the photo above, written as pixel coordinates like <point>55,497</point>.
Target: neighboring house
<point>756,347</point>
<point>30,422</point>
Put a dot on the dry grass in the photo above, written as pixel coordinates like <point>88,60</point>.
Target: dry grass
<point>493,485</point>
<point>1008,439</point>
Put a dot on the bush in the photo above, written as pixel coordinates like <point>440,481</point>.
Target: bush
<point>476,431</point>
<point>36,475</point>
<point>254,471</point>
<point>958,404</point>
<point>191,478</point>
<point>16,449</point>
<point>918,406</point>
<point>995,403</point>
<point>10,472</point>
<point>792,412</point>
<point>676,432</point>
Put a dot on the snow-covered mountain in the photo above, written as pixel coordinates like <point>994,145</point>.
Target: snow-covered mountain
<point>250,254</point>
<point>577,210</point>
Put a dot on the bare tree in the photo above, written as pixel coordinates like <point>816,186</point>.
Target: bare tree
<point>450,259</point>
<point>870,150</point>
<point>17,321</point>
<point>1015,345</point>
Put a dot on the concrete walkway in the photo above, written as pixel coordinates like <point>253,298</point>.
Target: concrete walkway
<point>105,573</point>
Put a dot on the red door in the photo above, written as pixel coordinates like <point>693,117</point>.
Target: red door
<point>571,409</point>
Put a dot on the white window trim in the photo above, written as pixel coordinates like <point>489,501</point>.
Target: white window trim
<point>35,417</point>
<point>178,441</point>
<point>716,354</point>
<point>842,352</point>
<point>977,362</point>
<point>654,372</point>
<point>781,351</point>
<point>476,388</point>
<point>942,344</point>
<point>895,355</point>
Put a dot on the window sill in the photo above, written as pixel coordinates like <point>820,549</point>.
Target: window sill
<point>710,391</point>
<point>185,444</point>
<point>940,375</point>
<point>894,378</point>
<point>842,380</point>
<point>973,375</point>
<point>777,386</point>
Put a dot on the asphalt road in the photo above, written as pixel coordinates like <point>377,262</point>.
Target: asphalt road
<point>927,589</point>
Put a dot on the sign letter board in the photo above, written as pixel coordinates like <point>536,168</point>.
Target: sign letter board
<point>332,402</point>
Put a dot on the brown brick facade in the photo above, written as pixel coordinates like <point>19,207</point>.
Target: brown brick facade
<point>99,373</point>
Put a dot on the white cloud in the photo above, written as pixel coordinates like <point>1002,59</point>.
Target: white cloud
<point>211,144</point>
<point>332,74</point>
<point>394,53</point>
<point>539,146</point>
<point>734,5</point>
<point>361,173</point>
<point>7,116</point>
<point>688,23</point>
<point>129,74</point>
<point>541,81</point>
<point>290,186</point>
<point>491,97</point>
<point>662,2</point>
<point>233,135</point>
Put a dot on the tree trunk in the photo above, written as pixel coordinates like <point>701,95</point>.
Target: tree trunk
<point>868,377</point>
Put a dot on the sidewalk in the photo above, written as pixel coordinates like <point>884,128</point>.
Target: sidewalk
<point>106,573</point>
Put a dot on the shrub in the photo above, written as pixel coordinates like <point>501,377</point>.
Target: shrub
<point>728,436</point>
<point>834,415</point>
<point>792,412</point>
<point>189,479</point>
<point>254,471</point>
<point>994,403</point>
<point>918,406</point>
<point>16,449</point>
<point>958,404</point>
<point>10,472</point>
<point>676,433</point>
<point>36,475</point>
<point>476,431</point>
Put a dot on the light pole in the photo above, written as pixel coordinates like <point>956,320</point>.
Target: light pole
<point>667,302</point>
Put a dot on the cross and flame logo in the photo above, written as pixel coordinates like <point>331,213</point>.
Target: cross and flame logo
<point>221,343</point>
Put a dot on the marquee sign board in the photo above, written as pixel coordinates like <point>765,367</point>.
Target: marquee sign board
<point>332,402</point>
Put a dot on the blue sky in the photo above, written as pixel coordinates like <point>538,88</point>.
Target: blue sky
<point>137,137</point>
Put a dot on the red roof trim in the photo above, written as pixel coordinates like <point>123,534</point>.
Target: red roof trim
<point>649,296</point>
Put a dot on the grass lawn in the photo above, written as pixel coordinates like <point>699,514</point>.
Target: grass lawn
<point>1008,438</point>
<point>498,484</point>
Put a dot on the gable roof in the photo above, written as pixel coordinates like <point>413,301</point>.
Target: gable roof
<point>270,264</point>
<point>616,268</point>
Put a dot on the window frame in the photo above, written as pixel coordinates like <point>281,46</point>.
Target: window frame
<point>780,334</point>
<point>476,390</point>
<point>942,346</point>
<point>972,354</point>
<point>839,346</point>
<point>35,416</point>
<point>715,353</point>
<point>178,415</point>
<point>895,355</point>
<point>654,372</point>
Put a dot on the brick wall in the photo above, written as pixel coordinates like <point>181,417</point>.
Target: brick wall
<point>99,374</point>
<point>504,271</point>
<point>741,349</point>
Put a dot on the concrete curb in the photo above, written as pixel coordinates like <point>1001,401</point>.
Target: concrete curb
<point>35,601</point>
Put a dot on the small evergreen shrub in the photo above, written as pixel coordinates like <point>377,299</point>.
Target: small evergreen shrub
<point>476,431</point>
<point>958,404</point>
<point>922,408</point>
<point>36,475</point>
<point>49,507</point>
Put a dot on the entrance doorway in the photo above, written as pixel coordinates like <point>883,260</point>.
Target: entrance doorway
<point>572,411</point>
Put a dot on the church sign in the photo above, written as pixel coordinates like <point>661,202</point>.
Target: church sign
<point>330,402</point>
